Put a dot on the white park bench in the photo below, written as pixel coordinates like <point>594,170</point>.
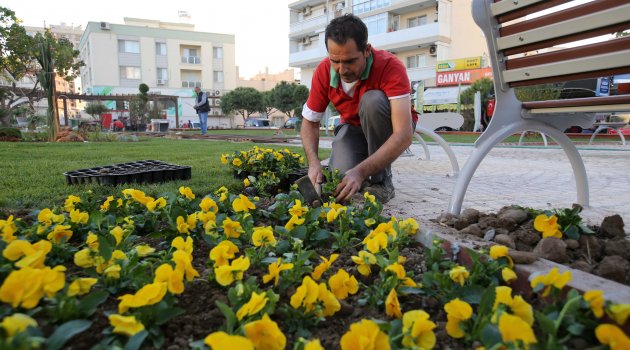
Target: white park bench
<point>518,44</point>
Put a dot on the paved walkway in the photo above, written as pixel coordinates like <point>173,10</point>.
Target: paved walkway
<point>536,177</point>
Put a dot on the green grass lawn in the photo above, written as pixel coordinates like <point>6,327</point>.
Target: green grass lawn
<point>32,173</point>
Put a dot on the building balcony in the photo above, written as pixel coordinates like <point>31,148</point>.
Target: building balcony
<point>312,24</point>
<point>424,73</point>
<point>191,84</point>
<point>408,39</point>
<point>191,59</point>
<point>308,58</point>
<point>302,3</point>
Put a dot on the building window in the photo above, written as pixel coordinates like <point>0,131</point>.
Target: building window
<point>191,84</point>
<point>376,24</point>
<point>128,46</point>
<point>416,61</point>
<point>191,56</point>
<point>162,76</point>
<point>369,5</point>
<point>416,21</point>
<point>217,53</point>
<point>130,73</point>
<point>160,49</point>
<point>218,76</point>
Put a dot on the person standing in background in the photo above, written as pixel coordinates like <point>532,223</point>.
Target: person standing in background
<point>202,106</point>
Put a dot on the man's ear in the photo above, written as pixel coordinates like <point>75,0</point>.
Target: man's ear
<point>368,49</point>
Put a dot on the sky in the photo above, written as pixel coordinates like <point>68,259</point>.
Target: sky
<point>261,28</point>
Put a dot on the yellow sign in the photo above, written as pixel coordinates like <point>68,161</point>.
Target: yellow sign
<point>459,64</point>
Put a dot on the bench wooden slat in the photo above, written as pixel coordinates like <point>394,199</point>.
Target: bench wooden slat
<point>617,15</point>
<point>577,102</point>
<point>615,28</point>
<point>505,6</point>
<point>570,53</point>
<point>577,76</point>
<point>520,13</point>
<point>609,60</point>
<point>561,16</point>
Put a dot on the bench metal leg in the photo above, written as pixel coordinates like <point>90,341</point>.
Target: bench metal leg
<point>482,149</point>
<point>601,127</point>
<point>544,137</point>
<point>437,138</point>
<point>424,145</point>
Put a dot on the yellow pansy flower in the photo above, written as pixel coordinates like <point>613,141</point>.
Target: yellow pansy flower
<point>187,192</point>
<point>48,217</point>
<point>364,260</point>
<point>68,205</point>
<point>595,300</point>
<point>548,225</point>
<point>313,345</point>
<point>231,228</point>
<point>59,233</point>
<point>84,258</point>
<point>323,266</point>
<point>156,204</point>
<point>106,203</point>
<point>297,209</point>
<point>224,159</point>
<point>369,222</point>
<point>113,271</point>
<point>221,340</point>
<point>223,252</point>
<point>150,294</point>
<point>246,182</point>
<point>343,284</point>
<point>174,278</point>
<point>501,251</point>
<point>180,244</point>
<point>208,204</point>
<point>552,279</point>
<point>508,275</point>
<point>8,229</point>
<point>79,217</point>
<point>81,286</point>
<point>118,234</point>
<point>32,255</point>
<point>127,325</point>
<point>183,263</point>
<point>242,204</point>
<point>613,336</point>
<point>265,334</point>
<point>294,221</point>
<point>418,330</point>
<point>227,274</point>
<point>398,270</point>
<point>369,197</point>
<point>619,313</point>
<point>513,329</point>
<point>16,324</point>
<point>328,301</point>
<point>367,334</point>
<point>263,236</point>
<point>456,312</point>
<point>459,274</point>
<point>392,305</point>
<point>237,162</point>
<point>274,271</point>
<point>256,303</point>
<point>374,243</point>
<point>144,250</point>
<point>305,295</point>
<point>517,304</point>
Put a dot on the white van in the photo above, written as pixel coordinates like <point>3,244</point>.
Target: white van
<point>332,123</point>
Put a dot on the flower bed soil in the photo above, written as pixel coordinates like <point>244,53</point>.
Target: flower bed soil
<point>143,171</point>
<point>605,253</point>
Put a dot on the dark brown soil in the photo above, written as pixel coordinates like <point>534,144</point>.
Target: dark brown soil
<point>605,253</point>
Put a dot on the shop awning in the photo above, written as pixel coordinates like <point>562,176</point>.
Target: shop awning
<point>444,95</point>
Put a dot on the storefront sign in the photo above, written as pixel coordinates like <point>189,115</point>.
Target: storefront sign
<point>463,76</point>
<point>458,64</point>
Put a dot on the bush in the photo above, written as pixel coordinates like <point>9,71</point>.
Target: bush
<point>11,132</point>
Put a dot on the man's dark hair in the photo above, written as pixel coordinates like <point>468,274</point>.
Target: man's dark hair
<point>347,27</point>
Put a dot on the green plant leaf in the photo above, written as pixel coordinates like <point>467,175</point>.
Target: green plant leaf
<point>167,313</point>
<point>321,235</point>
<point>106,246</point>
<point>299,232</point>
<point>572,232</point>
<point>576,329</point>
<point>487,301</point>
<point>136,341</point>
<point>490,336</point>
<point>66,331</point>
<point>472,294</point>
<point>229,314</point>
<point>546,324</point>
<point>88,304</point>
<point>585,229</point>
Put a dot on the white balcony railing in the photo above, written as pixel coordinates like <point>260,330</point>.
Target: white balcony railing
<point>191,59</point>
<point>424,73</point>
<point>191,84</point>
<point>310,24</point>
<point>407,38</point>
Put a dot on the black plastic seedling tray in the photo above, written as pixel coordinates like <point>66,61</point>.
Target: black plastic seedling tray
<point>143,171</point>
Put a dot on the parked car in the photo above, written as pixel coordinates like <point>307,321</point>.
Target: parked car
<point>332,123</point>
<point>290,123</point>
<point>257,123</point>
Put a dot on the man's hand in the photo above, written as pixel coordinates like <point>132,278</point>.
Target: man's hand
<point>349,185</point>
<point>315,174</point>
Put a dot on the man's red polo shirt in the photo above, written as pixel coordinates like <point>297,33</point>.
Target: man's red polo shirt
<point>383,71</point>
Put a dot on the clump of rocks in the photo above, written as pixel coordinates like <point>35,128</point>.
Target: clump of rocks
<point>67,135</point>
<point>605,253</point>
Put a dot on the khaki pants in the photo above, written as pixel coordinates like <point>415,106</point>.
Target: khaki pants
<point>353,144</point>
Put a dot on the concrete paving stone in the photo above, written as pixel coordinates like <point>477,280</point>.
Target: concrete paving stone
<point>536,177</point>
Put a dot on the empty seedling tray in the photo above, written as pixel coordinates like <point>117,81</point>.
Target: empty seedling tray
<point>142,171</point>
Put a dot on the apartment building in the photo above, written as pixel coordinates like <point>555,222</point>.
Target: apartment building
<point>171,58</point>
<point>419,32</point>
